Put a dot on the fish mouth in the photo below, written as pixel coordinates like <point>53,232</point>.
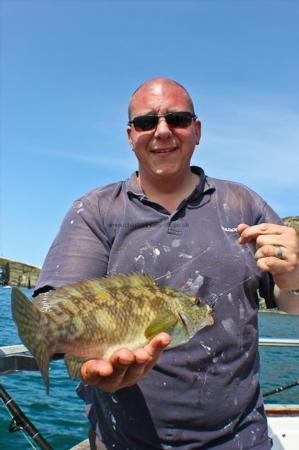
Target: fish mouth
<point>164,150</point>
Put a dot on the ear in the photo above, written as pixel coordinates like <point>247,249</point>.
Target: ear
<point>197,125</point>
<point>129,132</point>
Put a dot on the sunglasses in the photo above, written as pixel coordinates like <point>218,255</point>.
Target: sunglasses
<point>180,119</point>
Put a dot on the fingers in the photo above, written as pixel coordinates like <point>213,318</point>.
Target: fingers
<point>241,227</point>
<point>277,250</point>
<point>124,367</point>
<point>274,251</point>
<point>146,358</point>
<point>108,375</point>
<point>273,265</point>
<point>93,369</point>
<point>271,240</point>
<point>157,345</point>
<point>268,231</point>
<point>151,352</point>
<point>275,259</point>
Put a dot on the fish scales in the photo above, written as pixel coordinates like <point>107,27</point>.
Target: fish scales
<point>93,318</point>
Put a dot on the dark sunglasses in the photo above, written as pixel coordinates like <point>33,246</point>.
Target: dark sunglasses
<point>180,119</point>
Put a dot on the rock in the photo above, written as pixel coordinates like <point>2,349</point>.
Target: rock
<point>292,221</point>
<point>15,273</point>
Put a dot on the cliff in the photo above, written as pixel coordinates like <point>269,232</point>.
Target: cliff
<point>15,273</point>
<point>292,221</point>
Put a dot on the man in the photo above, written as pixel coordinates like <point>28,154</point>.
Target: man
<point>206,237</point>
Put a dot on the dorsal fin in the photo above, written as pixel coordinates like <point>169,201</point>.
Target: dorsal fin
<point>88,289</point>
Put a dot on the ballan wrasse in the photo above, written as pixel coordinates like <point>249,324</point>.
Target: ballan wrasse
<point>93,318</point>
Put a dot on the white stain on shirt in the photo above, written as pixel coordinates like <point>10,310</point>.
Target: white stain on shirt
<point>147,249</point>
<point>230,327</point>
<point>230,298</point>
<point>79,207</point>
<point>139,258</point>
<point>176,243</point>
<point>206,347</point>
<point>242,311</point>
<point>184,255</point>
<point>156,252</point>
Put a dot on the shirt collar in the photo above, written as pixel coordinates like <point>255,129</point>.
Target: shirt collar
<point>204,186</point>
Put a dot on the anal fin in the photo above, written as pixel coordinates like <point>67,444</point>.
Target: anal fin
<point>73,364</point>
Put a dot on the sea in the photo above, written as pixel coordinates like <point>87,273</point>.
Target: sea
<point>60,417</point>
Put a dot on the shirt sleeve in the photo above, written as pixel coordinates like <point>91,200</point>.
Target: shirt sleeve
<point>80,250</point>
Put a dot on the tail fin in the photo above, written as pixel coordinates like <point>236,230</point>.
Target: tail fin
<point>28,319</point>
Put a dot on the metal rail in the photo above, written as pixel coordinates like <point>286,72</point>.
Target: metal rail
<point>14,358</point>
<point>276,342</point>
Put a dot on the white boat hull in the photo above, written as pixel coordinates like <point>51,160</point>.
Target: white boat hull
<point>283,425</point>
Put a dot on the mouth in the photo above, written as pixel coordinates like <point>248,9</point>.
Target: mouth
<point>163,150</point>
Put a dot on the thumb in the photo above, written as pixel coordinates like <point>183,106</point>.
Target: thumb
<point>241,227</point>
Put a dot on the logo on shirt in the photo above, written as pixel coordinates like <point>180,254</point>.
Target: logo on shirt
<point>229,230</point>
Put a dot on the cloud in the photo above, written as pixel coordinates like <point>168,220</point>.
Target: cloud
<point>110,162</point>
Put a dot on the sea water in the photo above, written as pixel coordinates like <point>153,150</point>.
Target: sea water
<point>60,417</point>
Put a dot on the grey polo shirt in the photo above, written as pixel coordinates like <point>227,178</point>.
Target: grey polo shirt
<point>204,394</point>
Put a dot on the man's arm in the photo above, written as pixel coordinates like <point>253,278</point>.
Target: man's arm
<point>277,252</point>
<point>287,301</point>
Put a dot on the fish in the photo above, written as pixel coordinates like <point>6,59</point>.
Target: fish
<point>92,319</point>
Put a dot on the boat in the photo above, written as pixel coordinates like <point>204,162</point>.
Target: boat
<point>283,419</point>
<point>283,425</point>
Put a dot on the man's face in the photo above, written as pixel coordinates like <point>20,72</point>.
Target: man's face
<point>164,151</point>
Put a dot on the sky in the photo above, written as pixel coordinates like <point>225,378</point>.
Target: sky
<point>68,69</point>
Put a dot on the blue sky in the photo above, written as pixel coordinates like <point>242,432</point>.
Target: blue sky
<point>68,69</point>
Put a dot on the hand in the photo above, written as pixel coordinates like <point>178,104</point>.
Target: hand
<point>124,368</point>
<point>277,251</point>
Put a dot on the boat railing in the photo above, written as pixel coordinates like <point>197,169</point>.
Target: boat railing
<point>14,358</point>
<point>279,342</point>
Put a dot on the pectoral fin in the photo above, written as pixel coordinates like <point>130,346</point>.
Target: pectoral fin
<point>164,321</point>
<point>186,322</point>
<point>73,365</point>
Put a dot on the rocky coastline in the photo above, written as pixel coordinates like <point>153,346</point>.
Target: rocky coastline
<point>16,273</point>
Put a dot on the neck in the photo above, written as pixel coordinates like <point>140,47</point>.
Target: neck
<point>169,191</point>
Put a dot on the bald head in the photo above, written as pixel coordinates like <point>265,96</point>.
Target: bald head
<point>157,86</point>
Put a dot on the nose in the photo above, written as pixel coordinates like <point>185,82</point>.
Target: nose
<point>162,129</point>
